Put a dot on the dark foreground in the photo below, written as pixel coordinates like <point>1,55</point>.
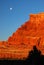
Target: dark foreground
<point>34,58</point>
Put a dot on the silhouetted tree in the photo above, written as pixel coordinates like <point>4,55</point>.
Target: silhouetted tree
<point>34,56</point>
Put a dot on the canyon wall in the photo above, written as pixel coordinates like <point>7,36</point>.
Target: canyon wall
<point>29,34</point>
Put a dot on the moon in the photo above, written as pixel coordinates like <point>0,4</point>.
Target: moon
<point>11,8</point>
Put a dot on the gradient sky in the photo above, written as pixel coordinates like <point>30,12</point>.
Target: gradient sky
<point>13,13</point>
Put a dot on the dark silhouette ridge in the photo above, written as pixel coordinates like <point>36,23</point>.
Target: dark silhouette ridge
<point>35,57</point>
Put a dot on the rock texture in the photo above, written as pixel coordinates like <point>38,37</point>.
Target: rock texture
<point>26,36</point>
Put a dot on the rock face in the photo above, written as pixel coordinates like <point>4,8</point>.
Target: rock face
<point>30,34</point>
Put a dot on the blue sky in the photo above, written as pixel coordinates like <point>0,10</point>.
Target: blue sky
<point>11,19</point>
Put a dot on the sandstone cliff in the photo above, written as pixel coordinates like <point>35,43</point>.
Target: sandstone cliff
<point>29,34</point>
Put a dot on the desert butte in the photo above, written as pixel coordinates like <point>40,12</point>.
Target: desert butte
<point>21,42</point>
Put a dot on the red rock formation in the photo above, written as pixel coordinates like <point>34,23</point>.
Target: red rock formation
<point>22,41</point>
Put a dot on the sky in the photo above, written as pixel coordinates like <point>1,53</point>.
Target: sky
<point>13,13</point>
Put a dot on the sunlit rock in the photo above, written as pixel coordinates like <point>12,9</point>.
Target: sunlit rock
<point>29,34</point>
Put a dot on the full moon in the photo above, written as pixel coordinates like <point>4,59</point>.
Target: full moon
<point>11,8</point>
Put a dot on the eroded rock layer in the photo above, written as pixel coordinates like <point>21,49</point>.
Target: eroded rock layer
<point>22,41</point>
